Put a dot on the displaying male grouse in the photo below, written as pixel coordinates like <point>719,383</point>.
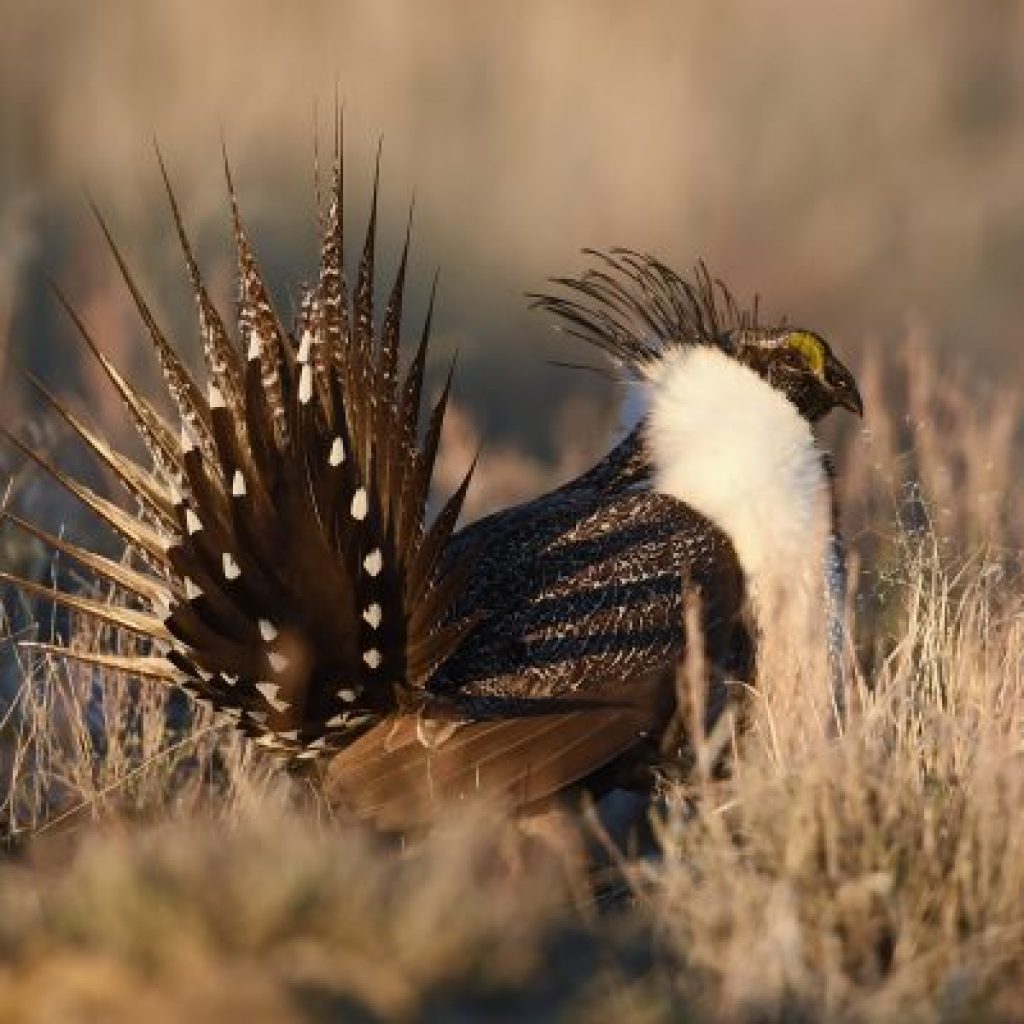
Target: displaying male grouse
<point>281,568</point>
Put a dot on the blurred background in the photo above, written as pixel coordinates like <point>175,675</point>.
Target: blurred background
<point>861,166</point>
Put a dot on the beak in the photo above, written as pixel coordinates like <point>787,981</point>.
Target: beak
<point>843,387</point>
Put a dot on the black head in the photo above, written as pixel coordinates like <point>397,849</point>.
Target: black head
<point>802,366</point>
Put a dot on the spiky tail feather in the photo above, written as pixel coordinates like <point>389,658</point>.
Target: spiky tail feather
<point>284,572</point>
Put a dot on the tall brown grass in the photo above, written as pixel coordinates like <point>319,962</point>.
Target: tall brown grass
<point>870,868</point>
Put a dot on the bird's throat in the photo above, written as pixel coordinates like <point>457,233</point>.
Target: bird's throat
<point>737,450</point>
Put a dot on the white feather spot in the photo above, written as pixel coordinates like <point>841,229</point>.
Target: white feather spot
<point>307,755</point>
<point>175,492</point>
<point>192,522</point>
<point>278,662</point>
<point>337,456</point>
<point>372,614</point>
<point>228,678</point>
<point>291,734</point>
<point>372,657</point>
<point>270,691</point>
<point>255,345</point>
<point>238,485</point>
<point>347,694</point>
<point>266,740</point>
<point>192,592</point>
<point>231,570</point>
<point>162,606</point>
<point>268,631</point>
<point>373,562</point>
<point>306,384</point>
<point>203,674</point>
<point>304,346</point>
<point>216,397</point>
<point>188,442</point>
<point>359,504</point>
<point>338,721</point>
<point>318,744</point>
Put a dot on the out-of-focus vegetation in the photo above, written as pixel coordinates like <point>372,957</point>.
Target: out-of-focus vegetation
<point>857,164</point>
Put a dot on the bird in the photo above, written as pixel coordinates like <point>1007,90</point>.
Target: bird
<point>284,566</point>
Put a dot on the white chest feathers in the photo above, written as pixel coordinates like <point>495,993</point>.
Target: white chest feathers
<point>735,449</point>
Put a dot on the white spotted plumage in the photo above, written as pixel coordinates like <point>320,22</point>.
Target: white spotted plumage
<point>270,694</point>
<point>358,508</point>
<point>337,453</point>
<point>193,524</point>
<point>306,384</point>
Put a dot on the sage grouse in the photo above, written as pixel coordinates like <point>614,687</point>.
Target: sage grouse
<point>280,566</point>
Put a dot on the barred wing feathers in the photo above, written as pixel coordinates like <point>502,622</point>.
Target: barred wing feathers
<point>279,561</point>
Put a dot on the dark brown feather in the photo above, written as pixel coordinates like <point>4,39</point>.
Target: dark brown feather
<point>134,531</point>
<point>222,357</point>
<point>401,773</point>
<point>151,588</point>
<point>147,666</point>
<point>182,388</point>
<point>136,480</point>
<point>102,611</point>
<point>157,436</point>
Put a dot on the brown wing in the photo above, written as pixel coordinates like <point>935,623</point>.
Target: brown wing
<point>406,769</point>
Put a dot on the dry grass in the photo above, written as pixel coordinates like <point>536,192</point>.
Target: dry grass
<point>158,868</point>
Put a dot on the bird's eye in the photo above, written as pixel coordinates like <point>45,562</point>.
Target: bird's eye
<point>810,348</point>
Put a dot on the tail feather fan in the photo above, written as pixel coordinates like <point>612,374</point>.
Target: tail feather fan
<point>285,572</point>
